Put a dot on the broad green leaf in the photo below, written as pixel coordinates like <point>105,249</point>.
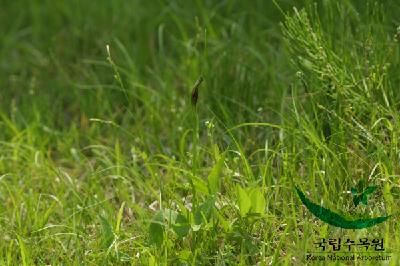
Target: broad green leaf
<point>181,226</point>
<point>156,229</point>
<point>214,178</point>
<point>203,212</point>
<point>170,215</point>
<point>243,201</point>
<point>257,199</point>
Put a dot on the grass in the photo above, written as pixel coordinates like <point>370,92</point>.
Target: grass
<point>105,161</point>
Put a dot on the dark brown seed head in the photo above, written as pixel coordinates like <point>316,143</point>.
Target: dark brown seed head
<point>195,91</point>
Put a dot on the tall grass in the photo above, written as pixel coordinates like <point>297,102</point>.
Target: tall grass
<point>104,160</point>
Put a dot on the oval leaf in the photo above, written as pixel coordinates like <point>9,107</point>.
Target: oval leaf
<point>156,229</point>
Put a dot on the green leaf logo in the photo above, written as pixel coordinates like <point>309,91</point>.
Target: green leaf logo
<point>335,219</point>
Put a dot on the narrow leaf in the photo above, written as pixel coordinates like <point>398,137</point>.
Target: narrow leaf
<point>119,218</point>
<point>214,178</point>
<point>200,185</point>
<point>107,233</point>
<point>22,249</point>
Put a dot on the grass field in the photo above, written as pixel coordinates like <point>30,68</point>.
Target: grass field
<point>105,160</point>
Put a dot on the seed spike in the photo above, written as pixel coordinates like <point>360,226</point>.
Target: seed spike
<point>195,91</point>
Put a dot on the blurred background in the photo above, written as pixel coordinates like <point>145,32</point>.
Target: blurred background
<point>95,110</point>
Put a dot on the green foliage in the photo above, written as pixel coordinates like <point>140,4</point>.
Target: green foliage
<point>214,178</point>
<point>243,201</point>
<point>203,212</point>
<point>106,233</point>
<point>181,226</point>
<point>360,194</point>
<point>250,200</point>
<point>156,229</point>
<point>105,161</point>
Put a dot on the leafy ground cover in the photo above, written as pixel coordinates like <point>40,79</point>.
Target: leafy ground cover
<point>105,160</point>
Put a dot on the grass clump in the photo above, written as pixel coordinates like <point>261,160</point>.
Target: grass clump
<point>105,160</point>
